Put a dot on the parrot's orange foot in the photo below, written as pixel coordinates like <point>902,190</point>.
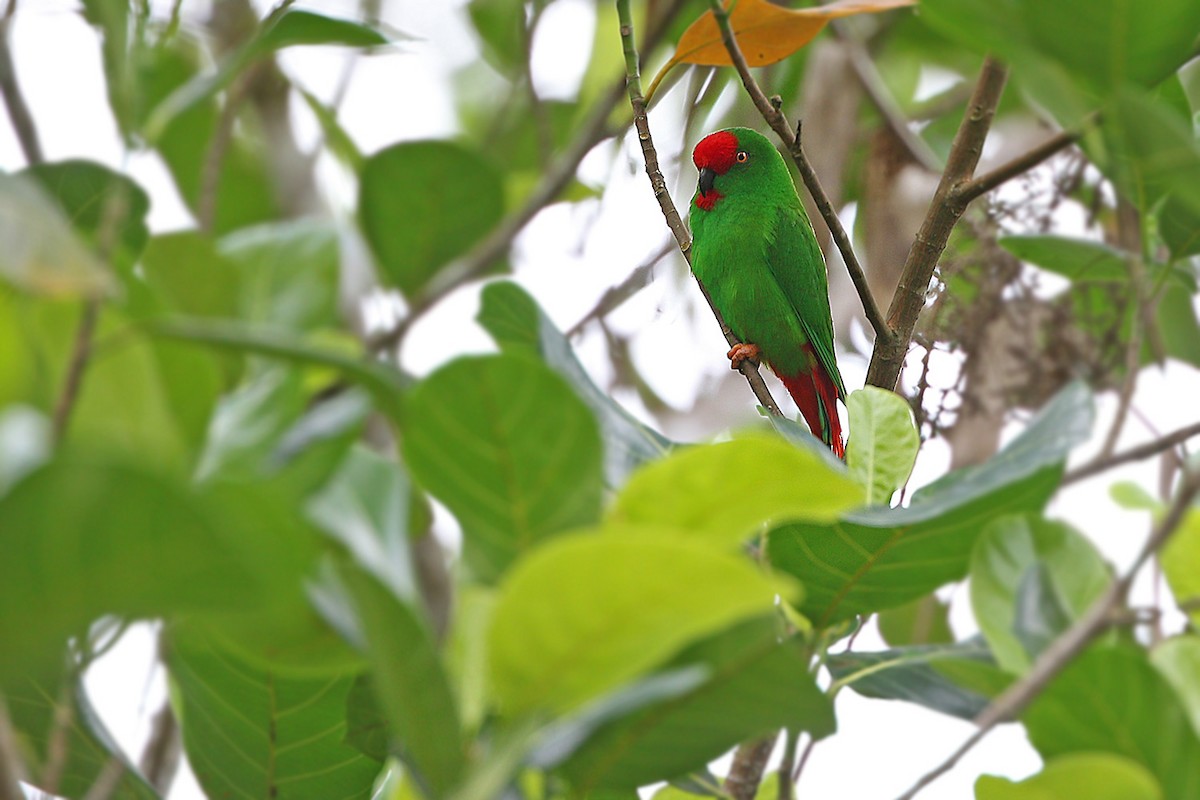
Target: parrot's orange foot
<point>743,352</point>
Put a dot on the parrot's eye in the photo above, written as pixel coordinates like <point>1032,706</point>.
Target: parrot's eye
<point>742,157</point>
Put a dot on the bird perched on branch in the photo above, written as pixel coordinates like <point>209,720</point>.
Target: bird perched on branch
<point>754,251</point>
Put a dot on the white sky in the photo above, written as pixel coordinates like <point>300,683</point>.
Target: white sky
<point>566,257</point>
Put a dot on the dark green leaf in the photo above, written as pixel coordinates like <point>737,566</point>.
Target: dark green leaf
<point>957,679</point>
<point>1110,700</point>
<point>881,558</point>
<point>501,26</point>
<point>756,684</point>
<point>1006,553</point>
<point>509,448</point>
<point>1039,616</point>
<point>111,17</point>
<point>255,733</point>
<point>584,614</point>
<point>187,275</point>
<point>295,27</point>
<point>515,321</point>
<point>422,204</point>
<point>923,621</point>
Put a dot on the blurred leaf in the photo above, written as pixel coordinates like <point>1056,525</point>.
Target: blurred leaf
<point>881,453</point>
<point>515,321</point>
<point>84,537</point>
<point>1128,494</point>
<point>1039,617</point>
<point>466,651</point>
<point>187,275</point>
<point>106,208</point>
<point>765,32</point>
<point>923,621</point>
<point>510,450</point>
<point>337,139</point>
<point>296,26</point>
<point>41,253</point>
<point>1008,549</point>
<point>249,422</point>
<point>1177,323</point>
<point>883,557</point>
<point>1178,661</point>
<point>1096,776</point>
<point>583,614</point>
<point>32,702</point>
<point>410,683</point>
<point>958,679</point>
<point>1180,560</point>
<point>1083,260</point>
<point>756,685</point>
<point>723,493</point>
<point>255,733</point>
<point>500,25</point>
<point>112,18</point>
<point>1111,700</point>
<point>447,196</point>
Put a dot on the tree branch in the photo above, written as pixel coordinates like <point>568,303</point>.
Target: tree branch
<point>1017,166</point>
<point>1100,464</point>
<point>1071,642</point>
<point>614,296</point>
<point>10,90</point>
<point>633,83</point>
<point>944,212</point>
<point>779,123</point>
<point>749,763</point>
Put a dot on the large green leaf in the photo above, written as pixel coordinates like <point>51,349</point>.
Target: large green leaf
<point>884,444</point>
<point>755,685</point>
<point>86,536</point>
<point>422,204</point>
<point>1096,776</point>
<point>725,492</point>
<point>515,321</point>
<point>1181,562</point>
<point>925,620</point>
<point>1112,700</point>
<point>882,557</point>
<point>252,733</point>
<point>586,613</point>
<point>958,679</point>
<point>1178,660</point>
<point>509,448</point>
<point>1003,558</point>
<point>1082,260</point>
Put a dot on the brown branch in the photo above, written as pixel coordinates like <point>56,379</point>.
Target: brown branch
<point>1071,642</point>
<point>12,768</point>
<point>1098,465</point>
<point>749,763</point>
<point>1018,166</point>
<point>944,212</point>
<point>81,353</point>
<point>161,753</point>
<point>14,100</point>
<point>779,123</point>
<point>108,780</point>
<point>633,83</point>
<point>614,296</point>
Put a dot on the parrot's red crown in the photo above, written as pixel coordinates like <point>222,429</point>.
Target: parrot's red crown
<point>717,151</point>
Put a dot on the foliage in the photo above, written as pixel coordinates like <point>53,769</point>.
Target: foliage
<point>192,433</point>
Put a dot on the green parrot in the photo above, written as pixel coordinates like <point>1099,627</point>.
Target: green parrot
<point>755,252</point>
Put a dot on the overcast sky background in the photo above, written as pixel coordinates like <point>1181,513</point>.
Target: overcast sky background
<point>566,257</point>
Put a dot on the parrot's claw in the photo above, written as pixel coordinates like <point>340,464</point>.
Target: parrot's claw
<point>743,352</point>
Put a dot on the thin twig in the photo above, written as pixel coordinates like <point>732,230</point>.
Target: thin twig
<point>944,212</point>
<point>1098,465</point>
<point>633,83</point>
<point>1017,166</point>
<point>12,768</point>
<point>160,756</point>
<point>1130,236</point>
<point>614,296</point>
<point>108,780</point>
<point>749,763</point>
<point>792,140</point>
<point>14,100</point>
<point>1071,642</point>
<point>786,786</point>
<point>218,147</point>
<point>81,353</point>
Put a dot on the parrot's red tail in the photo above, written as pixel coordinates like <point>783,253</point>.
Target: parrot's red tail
<point>816,395</point>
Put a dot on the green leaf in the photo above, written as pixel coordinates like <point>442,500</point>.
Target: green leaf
<point>106,208</point>
<point>1075,259</point>
<point>410,683</point>
<point>1096,776</point>
<point>756,685</point>
<point>958,679</point>
<point>725,492</point>
<point>41,252</point>
<point>295,27</point>
<point>32,702</point>
<point>584,614</point>
<point>111,17</point>
<point>1178,660</point>
<point>447,196</point>
<point>1181,562</point>
<point>1004,556</point>
<point>337,139</point>
<point>255,733</point>
<point>923,621</point>
<point>1111,700</point>
<point>86,536</point>
<point>883,448</point>
<point>517,324</point>
<point>501,26</point>
<point>883,557</point>
<point>187,275</point>
<point>510,450</point>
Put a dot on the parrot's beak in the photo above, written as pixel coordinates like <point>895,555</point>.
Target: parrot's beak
<point>707,176</point>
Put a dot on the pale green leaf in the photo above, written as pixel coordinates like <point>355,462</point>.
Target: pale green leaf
<point>1096,776</point>
<point>883,442</point>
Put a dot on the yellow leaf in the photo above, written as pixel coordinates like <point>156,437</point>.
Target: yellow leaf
<point>765,32</point>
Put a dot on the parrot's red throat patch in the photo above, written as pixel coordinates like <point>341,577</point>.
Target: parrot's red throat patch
<point>717,151</point>
<point>705,202</point>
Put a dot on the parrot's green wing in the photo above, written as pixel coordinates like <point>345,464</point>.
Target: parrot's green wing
<point>799,268</point>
